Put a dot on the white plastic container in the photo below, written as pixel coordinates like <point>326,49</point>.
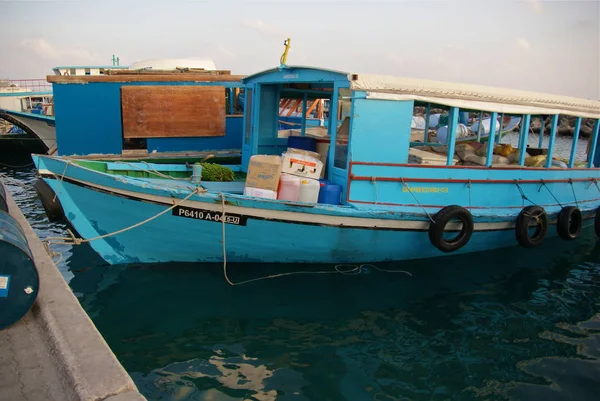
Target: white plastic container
<point>309,190</point>
<point>260,193</point>
<point>289,188</point>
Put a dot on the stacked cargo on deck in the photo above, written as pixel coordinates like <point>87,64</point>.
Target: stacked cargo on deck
<point>295,176</point>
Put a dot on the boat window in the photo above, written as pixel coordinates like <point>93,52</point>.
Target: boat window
<point>233,104</point>
<point>73,71</point>
<point>87,71</point>
<point>341,139</point>
<point>246,98</point>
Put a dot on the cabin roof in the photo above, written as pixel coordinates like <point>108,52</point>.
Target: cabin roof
<point>339,75</point>
<point>476,97</point>
<point>465,96</point>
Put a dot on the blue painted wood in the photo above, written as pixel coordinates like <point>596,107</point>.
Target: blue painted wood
<point>248,142</point>
<point>298,74</point>
<point>576,130</point>
<point>490,145</point>
<point>133,166</point>
<point>451,141</point>
<point>552,139</point>
<point>526,122</point>
<point>380,130</point>
<point>594,157</point>
<point>88,118</point>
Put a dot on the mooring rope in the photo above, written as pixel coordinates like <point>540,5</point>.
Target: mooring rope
<point>374,181</point>
<point>573,189</point>
<point>78,241</point>
<point>544,185</point>
<point>354,269</point>
<point>416,200</point>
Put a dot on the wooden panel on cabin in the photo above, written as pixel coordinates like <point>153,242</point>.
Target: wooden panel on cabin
<point>173,111</point>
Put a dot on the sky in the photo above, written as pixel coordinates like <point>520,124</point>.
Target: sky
<point>545,46</point>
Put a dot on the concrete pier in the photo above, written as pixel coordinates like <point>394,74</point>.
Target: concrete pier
<point>55,352</point>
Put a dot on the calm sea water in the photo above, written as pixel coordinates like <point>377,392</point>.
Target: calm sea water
<point>510,324</point>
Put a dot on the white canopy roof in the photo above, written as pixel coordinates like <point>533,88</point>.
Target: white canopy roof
<point>475,97</point>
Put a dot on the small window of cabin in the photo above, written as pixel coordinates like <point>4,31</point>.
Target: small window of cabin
<point>73,71</point>
<point>343,131</point>
<point>247,106</point>
<point>87,71</point>
<point>233,105</point>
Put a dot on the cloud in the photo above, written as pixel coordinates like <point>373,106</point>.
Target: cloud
<point>523,43</point>
<point>264,28</point>
<point>536,5</point>
<point>46,50</point>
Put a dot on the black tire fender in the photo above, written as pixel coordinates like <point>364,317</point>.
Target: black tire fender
<point>569,223</point>
<point>441,220</point>
<point>528,215</point>
<point>51,205</point>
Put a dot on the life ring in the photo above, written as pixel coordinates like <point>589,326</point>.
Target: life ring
<point>597,222</point>
<point>569,222</point>
<point>441,220</point>
<point>528,215</point>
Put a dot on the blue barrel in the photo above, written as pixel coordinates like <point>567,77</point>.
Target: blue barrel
<point>19,280</point>
<point>3,205</point>
<point>302,142</point>
<point>330,193</point>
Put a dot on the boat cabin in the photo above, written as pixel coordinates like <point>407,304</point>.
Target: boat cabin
<point>387,139</point>
<point>127,112</point>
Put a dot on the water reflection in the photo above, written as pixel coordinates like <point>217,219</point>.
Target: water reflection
<point>466,327</point>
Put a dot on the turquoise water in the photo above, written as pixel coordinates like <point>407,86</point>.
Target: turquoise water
<point>510,324</point>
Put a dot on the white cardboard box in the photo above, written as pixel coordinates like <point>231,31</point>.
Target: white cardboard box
<point>302,165</point>
<point>260,193</point>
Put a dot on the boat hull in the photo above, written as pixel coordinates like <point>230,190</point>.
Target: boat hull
<point>176,238</point>
<point>39,136</point>
<point>259,230</point>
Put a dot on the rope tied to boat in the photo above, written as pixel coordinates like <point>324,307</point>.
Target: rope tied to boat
<point>62,177</point>
<point>374,181</point>
<point>73,240</point>
<point>573,189</point>
<point>523,196</point>
<point>595,182</point>
<point>544,185</point>
<point>416,200</point>
<point>338,269</point>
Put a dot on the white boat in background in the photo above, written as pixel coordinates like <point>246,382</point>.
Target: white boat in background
<point>172,64</point>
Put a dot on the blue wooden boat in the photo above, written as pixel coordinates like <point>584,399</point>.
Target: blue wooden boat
<point>400,200</point>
